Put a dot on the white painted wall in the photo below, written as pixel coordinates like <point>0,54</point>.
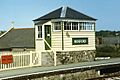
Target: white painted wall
<point>56,37</point>
<point>39,43</point>
<point>57,40</point>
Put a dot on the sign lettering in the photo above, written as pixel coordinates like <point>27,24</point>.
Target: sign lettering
<point>7,59</point>
<point>79,41</point>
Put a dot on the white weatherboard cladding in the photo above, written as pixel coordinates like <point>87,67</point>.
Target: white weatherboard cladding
<point>47,23</point>
<point>57,40</point>
<point>39,45</point>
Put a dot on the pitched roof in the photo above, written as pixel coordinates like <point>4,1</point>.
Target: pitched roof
<point>65,13</point>
<point>73,14</point>
<point>52,15</point>
<point>18,38</point>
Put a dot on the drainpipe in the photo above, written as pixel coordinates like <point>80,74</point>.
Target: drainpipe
<point>62,35</point>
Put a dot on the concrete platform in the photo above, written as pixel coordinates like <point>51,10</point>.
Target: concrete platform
<point>43,70</point>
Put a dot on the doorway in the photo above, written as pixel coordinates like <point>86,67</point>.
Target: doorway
<point>47,29</point>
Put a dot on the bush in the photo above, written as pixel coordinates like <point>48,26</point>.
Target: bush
<point>102,54</point>
<point>109,49</point>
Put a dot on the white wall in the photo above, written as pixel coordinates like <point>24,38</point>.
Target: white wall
<point>56,37</point>
<point>39,44</point>
<point>57,40</point>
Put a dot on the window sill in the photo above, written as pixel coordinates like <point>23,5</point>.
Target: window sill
<point>86,30</point>
<point>71,30</point>
<point>39,39</point>
<point>57,30</point>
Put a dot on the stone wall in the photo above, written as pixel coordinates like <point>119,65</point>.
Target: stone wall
<point>71,76</point>
<point>75,56</point>
<point>67,57</point>
<point>47,59</point>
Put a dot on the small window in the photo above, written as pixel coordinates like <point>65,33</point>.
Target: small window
<point>39,31</point>
<point>86,26</point>
<point>81,26</point>
<point>57,26</point>
<point>75,26</point>
<point>67,25</point>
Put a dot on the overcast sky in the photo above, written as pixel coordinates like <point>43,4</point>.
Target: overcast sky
<point>22,12</point>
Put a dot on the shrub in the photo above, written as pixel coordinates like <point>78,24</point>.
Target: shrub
<point>106,49</point>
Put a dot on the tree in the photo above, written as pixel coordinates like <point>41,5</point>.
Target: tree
<point>1,32</point>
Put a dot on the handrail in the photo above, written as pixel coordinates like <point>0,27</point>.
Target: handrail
<point>55,60</point>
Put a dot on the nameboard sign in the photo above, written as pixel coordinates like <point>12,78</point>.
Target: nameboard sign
<point>79,41</point>
<point>7,59</point>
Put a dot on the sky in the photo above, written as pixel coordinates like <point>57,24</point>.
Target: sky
<point>22,12</point>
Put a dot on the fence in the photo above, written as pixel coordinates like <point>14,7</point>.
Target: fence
<point>19,60</point>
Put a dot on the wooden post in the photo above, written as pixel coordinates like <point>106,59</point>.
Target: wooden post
<point>55,60</point>
<point>98,72</point>
<point>31,63</point>
<point>62,35</point>
<point>39,58</point>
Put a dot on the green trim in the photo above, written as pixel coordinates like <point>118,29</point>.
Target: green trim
<point>47,29</point>
<point>62,36</point>
<point>79,41</point>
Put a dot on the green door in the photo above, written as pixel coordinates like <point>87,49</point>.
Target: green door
<point>47,36</point>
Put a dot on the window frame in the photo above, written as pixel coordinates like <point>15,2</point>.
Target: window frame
<point>75,26</point>
<point>86,26</point>
<point>71,26</point>
<point>57,26</point>
<point>39,32</point>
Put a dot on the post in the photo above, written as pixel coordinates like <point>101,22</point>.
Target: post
<point>31,63</point>
<point>62,36</point>
<point>118,42</point>
<point>39,58</point>
<point>98,72</point>
<point>55,60</point>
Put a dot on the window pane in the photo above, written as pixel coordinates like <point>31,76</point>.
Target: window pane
<point>87,26</point>
<point>90,26</point>
<point>57,26</point>
<point>74,26</point>
<point>84,26</point>
<point>39,31</point>
<point>93,26</point>
<point>67,25</point>
<point>81,26</point>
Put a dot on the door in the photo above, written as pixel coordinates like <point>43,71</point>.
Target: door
<point>47,36</point>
